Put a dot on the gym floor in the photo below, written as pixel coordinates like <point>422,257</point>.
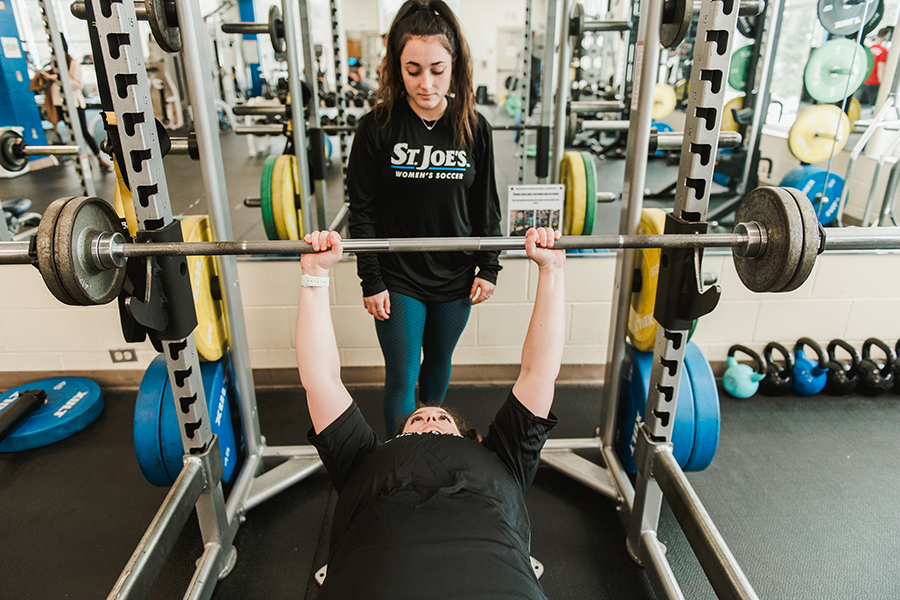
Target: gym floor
<point>803,490</point>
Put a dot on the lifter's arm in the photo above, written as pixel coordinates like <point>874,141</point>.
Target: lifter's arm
<point>543,348</point>
<point>317,353</point>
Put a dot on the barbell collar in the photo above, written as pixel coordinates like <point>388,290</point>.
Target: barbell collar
<point>179,146</point>
<point>756,240</point>
<point>106,250</point>
<point>15,253</point>
<point>246,28</point>
<point>79,11</point>
<point>590,106</point>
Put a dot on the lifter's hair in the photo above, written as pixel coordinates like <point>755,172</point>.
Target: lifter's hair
<point>427,18</point>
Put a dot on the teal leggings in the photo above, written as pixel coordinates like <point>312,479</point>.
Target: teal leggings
<point>418,330</point>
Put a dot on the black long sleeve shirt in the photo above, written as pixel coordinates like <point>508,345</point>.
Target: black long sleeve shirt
<point>405,180</point>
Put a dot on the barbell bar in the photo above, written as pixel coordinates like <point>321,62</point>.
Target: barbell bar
<point>81,248</point>
<point>274,28</point>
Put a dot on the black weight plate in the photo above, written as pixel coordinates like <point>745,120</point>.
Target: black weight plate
<point>168,36</point>
<point>748,27</point>
<point>276,30</point>
<point>9,158</point>
<point>672,33</point>
<point>844,18</point>
<point>46,254</point>
<point>875,19</point>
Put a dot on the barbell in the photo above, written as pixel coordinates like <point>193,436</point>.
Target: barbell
<point>161,15</point>
<point>14,151</point>
<point>274,28</point>
<point>81,248</point>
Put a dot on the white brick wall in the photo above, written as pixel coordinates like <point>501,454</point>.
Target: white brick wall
<point>852,296</point>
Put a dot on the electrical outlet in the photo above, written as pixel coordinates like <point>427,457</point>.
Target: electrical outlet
<point>126,355</point>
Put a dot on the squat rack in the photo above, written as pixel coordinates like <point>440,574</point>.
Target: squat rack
<point>124,89</point>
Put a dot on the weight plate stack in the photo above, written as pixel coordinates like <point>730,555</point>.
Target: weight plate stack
<point>46,252</point>
<point>288,198</point>
<point>707,415</point>
<point>278,174</point>
<point>810,249</point>
<point>728,122</point>
<point>572,177</point>
<point>641,324</point>
<point>821,187</point>
<point>590,186</point>
<point>265,198</point>
<point>778,211</point>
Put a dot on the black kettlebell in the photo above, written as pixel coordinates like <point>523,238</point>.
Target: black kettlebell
<point>777,381</point>
<point>875,378</point>
<point>842,378</point>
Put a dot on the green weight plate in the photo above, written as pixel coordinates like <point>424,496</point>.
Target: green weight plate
<point>706,409</point>
<point>737,71</point>
<point>835,70</point>
<point>870,62</point>
<point>590,177</point>
<point>265,198</point>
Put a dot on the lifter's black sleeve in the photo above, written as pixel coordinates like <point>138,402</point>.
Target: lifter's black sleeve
<point>344,444</point>
<point>365,201</point>
<point>516,436</point>
<point>485,202</point>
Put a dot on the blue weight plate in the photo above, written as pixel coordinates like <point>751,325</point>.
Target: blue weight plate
<point>637,369</point>
<point>706,409</point>
<point>216,388</point>
<point>72,404</point>
<point>146,422</point>
<point>811,180</point>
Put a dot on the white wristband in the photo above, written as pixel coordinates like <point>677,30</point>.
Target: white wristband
<point>311,281</point>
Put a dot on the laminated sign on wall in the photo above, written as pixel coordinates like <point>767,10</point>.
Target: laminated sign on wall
<point>534,206</point>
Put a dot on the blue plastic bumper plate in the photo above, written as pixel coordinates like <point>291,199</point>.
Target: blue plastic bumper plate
<point>72,404</point>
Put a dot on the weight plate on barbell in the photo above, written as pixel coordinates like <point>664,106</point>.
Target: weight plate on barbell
<point>210,332</point>
<point>265,198</point>
<point>737,70</point>
<point>572,178</point>
<point>728,122</point>
<point>641,324</point>
<point>590,190</point>
<point>46,255</point>
<point>844,18</point>
<point>674,28</point>
<point>9,158</point>
<point>79,220</point>
<point>278,173</point>
<point>810,248</point>
<point>289,198</point>
<point>664,100</point>
<point>818,132</point>
<point>835,70</point>
<point>276,29</point>
<point>776,209</point>
<point>166,35</point>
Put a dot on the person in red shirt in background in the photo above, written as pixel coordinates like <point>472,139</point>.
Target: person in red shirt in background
<point>868,93</point>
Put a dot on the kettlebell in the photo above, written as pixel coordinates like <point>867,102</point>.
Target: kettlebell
<point>897,369</point>
<point>809,377</point>
<point>742,381</point>
<point>842,378</point>
<point>874,378</point>
<point>778,377</point>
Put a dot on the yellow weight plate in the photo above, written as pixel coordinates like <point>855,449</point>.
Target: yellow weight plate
<point>278,173</point>
<point>296,173</point>
<point>664,99</point>
<point>818,131</point>
<point>124,203</point>
<point>287,199</point>
<point>572,177</point>
<point>210,332</point>
<point>854,108</point>
<point>641,324</point>
<point>728,122</point>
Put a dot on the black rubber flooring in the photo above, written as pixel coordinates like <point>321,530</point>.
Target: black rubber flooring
<point>804,490</point>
